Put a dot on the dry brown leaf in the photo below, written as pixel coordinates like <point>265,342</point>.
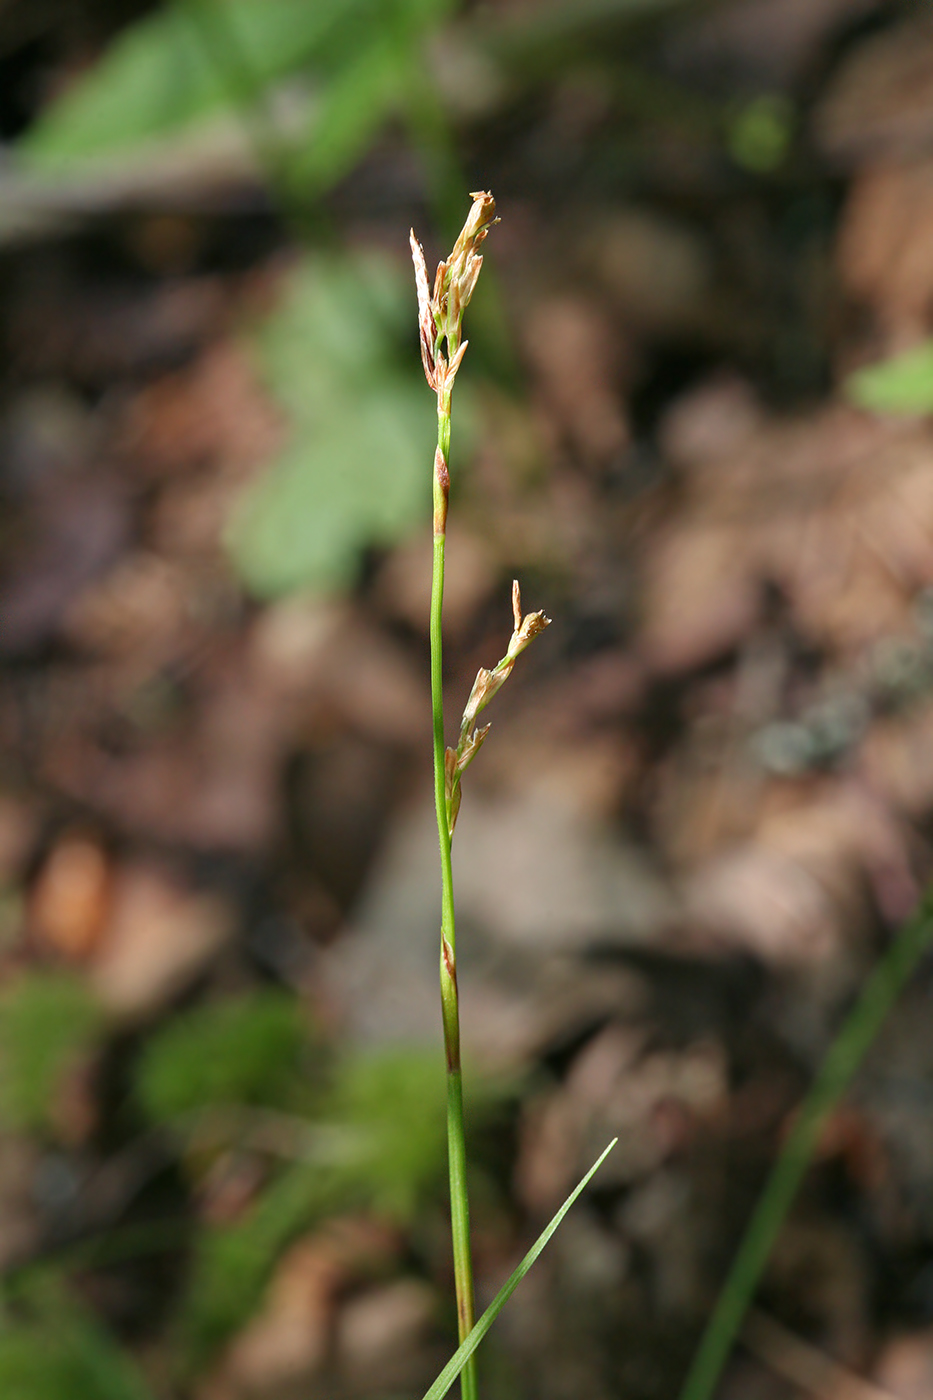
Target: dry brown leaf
<point>881,101</point>
<point>573,348</point>
<point>403,588</point>
<point>381,1334</point>
<point>885,251</point>
<point>140,606</point>
<point>656,270</point>
<point>793,895</point>
<point>897,760</point>
<point>905,1367</point>
<point>651,1100</point>
<point>290,1339</point>
<point>836,510</point>
<point>159,936</point>
<point>211,414</point>
<point>700,594</point>
<point>71,900</point>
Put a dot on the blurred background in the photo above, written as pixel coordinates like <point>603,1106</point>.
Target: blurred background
<point>691,422</point>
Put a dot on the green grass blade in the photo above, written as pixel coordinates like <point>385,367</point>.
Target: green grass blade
<point>852,1042</point>
<point>463,1353</point>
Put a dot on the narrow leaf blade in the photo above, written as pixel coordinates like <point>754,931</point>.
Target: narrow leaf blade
<point>466,1349</point>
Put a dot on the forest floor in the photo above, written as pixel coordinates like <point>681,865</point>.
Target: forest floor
<point>704,806</point>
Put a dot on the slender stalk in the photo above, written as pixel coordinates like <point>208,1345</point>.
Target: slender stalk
<point>440,321</point>
<point>450,1005</point>
<point>846,1053</point>
<point>440,317</point>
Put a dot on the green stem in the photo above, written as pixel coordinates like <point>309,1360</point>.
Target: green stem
<point>857,1034</point>
<point>450,1008</point>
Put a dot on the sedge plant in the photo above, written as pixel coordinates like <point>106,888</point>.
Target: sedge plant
<point>440,324</point>
<point>440,315</point>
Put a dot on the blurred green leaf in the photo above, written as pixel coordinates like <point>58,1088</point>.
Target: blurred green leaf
<point>232,1264</point>
<point>189,60</point>
<point>396,1099</point>
<point>386,1120</point>
<point>760,135</point>
<point>357,469</point>
<point>903,384</point>
<point>154,80</point>
<point>240,1051</point>
<point>62,1354</point>
<point>46,1021</point>
<point>350,112</point>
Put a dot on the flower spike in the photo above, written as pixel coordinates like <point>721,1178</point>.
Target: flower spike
<point>440,312</point>
<point>486,685</point>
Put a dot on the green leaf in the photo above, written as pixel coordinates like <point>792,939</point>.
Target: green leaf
<point>351,110</point>
<point>903,384</point>
<point>463,1353</point>
<point>394,1102</point>
<point>357,469</point>
<point>760,135</point>
<point>189,61</point>
<point>232,1263</point>
<point>160,76</point>
<point>62,1354</point>
<point>36,1364</point>
<point>47,1020</point>
<point>239,1051</point>
<point>384,1134</point>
